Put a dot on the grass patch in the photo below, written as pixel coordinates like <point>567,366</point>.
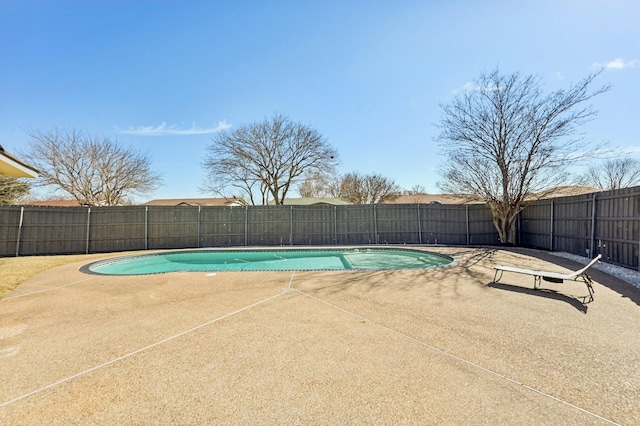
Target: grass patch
<point>16,270</point>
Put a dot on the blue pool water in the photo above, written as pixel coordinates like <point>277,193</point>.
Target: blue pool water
<point>269,260</point>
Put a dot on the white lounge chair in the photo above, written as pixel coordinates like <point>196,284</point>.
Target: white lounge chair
<point>554,277</point>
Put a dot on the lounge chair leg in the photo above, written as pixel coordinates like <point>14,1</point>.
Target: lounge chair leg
<point>536,282</point>
<point>588,282</point>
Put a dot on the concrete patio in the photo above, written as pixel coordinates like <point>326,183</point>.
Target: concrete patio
<point>441,346</point>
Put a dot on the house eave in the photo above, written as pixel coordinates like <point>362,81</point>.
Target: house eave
<point>11,166</point>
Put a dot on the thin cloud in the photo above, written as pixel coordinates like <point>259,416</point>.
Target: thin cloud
<point>632,150</point>
<point>467,87</point>
<point>165,130</point>
<point>618,64</point>
<point>473,87</point>
<point>616,152</point>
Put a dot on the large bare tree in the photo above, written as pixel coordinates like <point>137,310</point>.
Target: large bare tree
<point>264,159</point>
<point>613,174</point>
<point>12,189</point>
<point>367,189</point>
<point>95,171</point>
<point>505,141</point>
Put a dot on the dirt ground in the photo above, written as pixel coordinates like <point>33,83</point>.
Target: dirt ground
<point>440,346</point>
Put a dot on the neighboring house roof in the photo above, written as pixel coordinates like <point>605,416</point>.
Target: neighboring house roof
<point>53,203</point>
<point>428,199</point>
<point>310,201</point>
<point>11,166</point>
<point>567,191</point>
<point>229,202</point>
<point>561,191</point>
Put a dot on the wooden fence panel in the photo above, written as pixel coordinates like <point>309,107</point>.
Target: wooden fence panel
<point>356,225</point>
<point>481,227</point>
<point>572,224</point>
<point>314,225</point>
<point>443,224</point>
<point>397,223</point>
<point>606,223</point>
<point>120,229</point>
<point>269,225</point>
<point>57,230</point>
<point>535,222</point>
<point>172,227</point>
<point>9,229</point>
<point>617,232</point>
<point>223,226</point>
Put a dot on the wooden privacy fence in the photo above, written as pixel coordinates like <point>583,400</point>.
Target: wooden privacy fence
<point>68,230</point>
<point>606,223</point>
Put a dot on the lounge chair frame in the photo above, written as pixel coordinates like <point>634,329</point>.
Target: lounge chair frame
<point>554,277</point>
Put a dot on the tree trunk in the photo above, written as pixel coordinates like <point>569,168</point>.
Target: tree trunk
<point>503,220</point>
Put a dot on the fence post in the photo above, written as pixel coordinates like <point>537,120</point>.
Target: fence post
<point>291,226</point>
<point>335,225</point>
<point>86,249</point>
<point>246,225</point>
<point>466,210</point>
<point>375,225</point>
<point>19,232</point>
<point>419,225</point>
<point>593,226</point>
<point>552,220</point>
<point>199,208</point>
<point>146,228</point>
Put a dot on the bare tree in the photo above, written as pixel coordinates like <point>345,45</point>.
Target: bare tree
<point>613,174</point>
<point>264,159</point>
<point>315,184</point>
<point>12,190</point>
<point>368,189</point>
<point>416,192</point>
<point>505,141</point>
<point>334,185</point>
<point>94,171</point>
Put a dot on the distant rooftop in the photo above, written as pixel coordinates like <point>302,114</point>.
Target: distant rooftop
<point>309,201</point>
<point>228,202</point>
<point>568,191</point>
<point>53,203</point>
<point>560,191</point>
<point>429,199</point>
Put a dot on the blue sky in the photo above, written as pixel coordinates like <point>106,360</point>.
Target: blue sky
<point>164,76</point>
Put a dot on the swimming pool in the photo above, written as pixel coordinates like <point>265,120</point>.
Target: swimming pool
<point>269,260</point>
